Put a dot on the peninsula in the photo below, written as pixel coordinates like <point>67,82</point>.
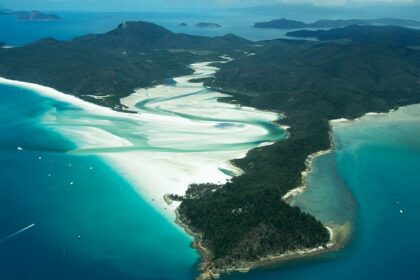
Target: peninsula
<point>33,15</point>
<point>245,222</point>
<point>208,25</point>
<point>284,23</point>
<point>394,35</point>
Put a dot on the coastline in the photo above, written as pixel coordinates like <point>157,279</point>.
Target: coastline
<point>308,163</point>
<point>309,160</point>
<point>243,266</point>
<point>180,164</point>
<point>338,237</point>
<point>339,234</point>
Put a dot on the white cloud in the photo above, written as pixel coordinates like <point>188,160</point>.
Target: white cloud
<point>156,4</point>
<point>349,2</point>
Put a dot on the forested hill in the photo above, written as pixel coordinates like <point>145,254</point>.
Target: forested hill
<point>284,23</point>
<point>136,54</point>
<point>365,34</point>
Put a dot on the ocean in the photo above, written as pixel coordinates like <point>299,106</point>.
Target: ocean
<point>89,223</point>
<point>74,216</point>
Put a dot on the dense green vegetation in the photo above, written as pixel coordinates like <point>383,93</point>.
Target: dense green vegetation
<point>365,34</point>
<point>208,25</point>
<point>282,23</point>
<point>312,82</point>
<point>327,23</point>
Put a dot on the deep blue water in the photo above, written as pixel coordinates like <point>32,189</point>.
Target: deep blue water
<point>89,223</point>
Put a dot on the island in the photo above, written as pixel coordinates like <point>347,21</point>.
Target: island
<point>247,222</point>
<point>364,34</point>
<point>30,15</point>
<point>37,16</point>
<point>284,23</point>
<point>208,25</point>
<point>5,12</point>
<point>183,24</point>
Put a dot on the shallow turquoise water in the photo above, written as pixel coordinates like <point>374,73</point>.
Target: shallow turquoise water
<point>89,223</point>
<point>372,179</point>
<point>67,215</point>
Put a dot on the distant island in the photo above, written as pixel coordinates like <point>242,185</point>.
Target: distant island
<point>30,15</point>
<point>364,34</point>
<point>208,25</point>
<point>183,24</point>
<point>284,23</point>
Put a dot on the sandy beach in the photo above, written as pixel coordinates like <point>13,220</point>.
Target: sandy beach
<point>179,134</point>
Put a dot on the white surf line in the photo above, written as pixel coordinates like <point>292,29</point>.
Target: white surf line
<point>16,233</point>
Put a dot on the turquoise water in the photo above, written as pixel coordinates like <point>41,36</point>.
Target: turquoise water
<point>66,214</point>
<point>372,180</point>
<point>89,222</point>
<point>328,196</point>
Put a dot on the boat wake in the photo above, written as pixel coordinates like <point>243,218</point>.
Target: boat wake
<point>16,233</point>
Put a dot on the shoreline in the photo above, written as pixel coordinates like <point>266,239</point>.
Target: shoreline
<point>309,160</point>
<point>339,235</point>
<point>179,165</point>
<point>243,266</point>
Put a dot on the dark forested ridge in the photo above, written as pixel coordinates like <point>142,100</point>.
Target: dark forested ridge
<point>134,55</point>
<point>284,23</point>
<point>365,34</point>
<point>312,82</point>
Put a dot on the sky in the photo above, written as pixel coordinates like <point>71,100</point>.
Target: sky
<point>139,5</point>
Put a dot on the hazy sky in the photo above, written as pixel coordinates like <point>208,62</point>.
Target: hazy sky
<point>139,5</point>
